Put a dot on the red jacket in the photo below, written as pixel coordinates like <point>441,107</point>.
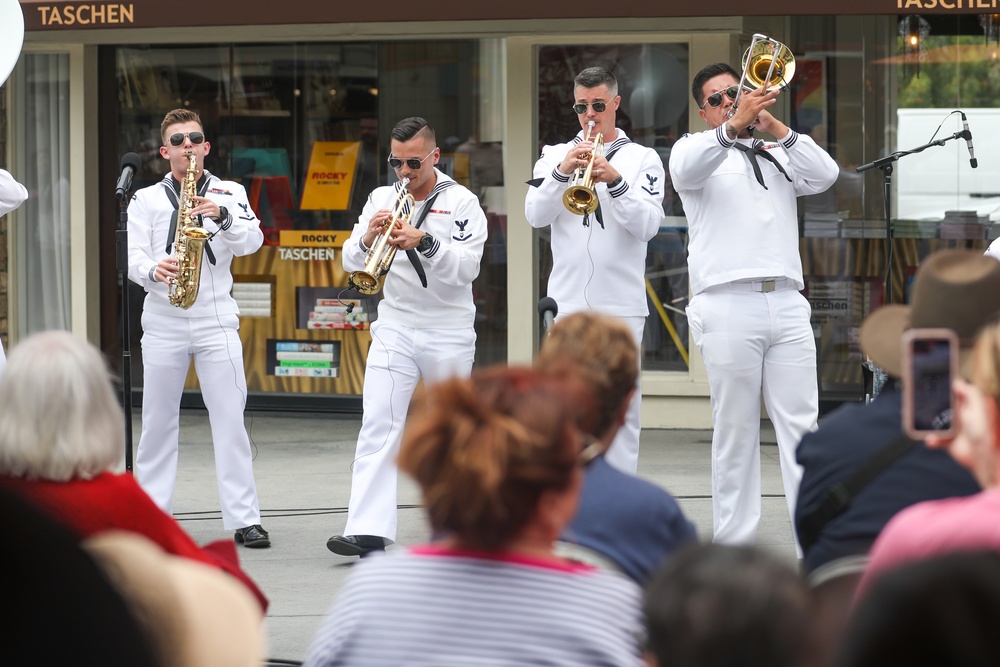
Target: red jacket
<point>106,502</point>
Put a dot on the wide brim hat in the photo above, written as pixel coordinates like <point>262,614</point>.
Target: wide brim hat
<point>953,289</point>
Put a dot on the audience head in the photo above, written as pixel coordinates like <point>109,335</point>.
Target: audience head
<point>601,351</point>
<point>715,605</point>
<point>942,611</point>
<point>954,289</point>
<point>60,419</point>
<point>495,455</point>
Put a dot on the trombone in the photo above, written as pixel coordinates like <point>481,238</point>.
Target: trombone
<point>580,197</point>
<point>380,255</point>
<point>767,63</point>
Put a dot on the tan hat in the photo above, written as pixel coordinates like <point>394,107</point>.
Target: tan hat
<point>195,615</point>
<point>954,289</point>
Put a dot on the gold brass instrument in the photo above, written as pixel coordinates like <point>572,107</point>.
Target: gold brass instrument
<point>767,63</point>
<point>379,258</point>
<point>189,243</point>
<point>580,197</point>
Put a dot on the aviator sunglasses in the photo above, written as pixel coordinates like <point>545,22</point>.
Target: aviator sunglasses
<point>715,99</point>
<point>413,163</point>
<point>581,108</point>
<point>177,138</point>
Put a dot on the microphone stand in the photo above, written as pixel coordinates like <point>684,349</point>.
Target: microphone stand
<point>121,260</point>
<point>885,165</point>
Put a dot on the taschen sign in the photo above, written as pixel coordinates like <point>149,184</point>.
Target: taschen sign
<point>46,15</point>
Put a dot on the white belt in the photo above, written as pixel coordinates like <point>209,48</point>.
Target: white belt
<point>759,285</point>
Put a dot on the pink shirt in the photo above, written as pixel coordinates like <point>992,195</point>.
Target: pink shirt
<point>936,527</point>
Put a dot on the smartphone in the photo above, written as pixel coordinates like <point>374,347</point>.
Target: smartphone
<point>930,365</point>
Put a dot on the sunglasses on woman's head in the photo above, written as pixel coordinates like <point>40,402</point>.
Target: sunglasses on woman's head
<point>581,108</point>
<point>177,138</point>
<point>715,99</point>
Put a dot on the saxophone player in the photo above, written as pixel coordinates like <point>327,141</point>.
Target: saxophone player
<point>208,331</point>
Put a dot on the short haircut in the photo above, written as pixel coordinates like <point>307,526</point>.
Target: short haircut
<point>940,611</point>
<point>709,72</point>
<point>60,417</point>
<point>178,116</point>
<point>408,128</point>
<point>592,77</point>
<point>715,605</point>
<point>604,350</point>
<point>485,449</point>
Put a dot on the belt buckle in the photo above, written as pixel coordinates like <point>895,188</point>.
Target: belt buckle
<point>767,286</point>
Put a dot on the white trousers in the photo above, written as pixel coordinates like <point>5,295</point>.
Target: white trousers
<point>624,451</point>
<point>753,342</point>
<point>398,358</point>
<point>168,344</point>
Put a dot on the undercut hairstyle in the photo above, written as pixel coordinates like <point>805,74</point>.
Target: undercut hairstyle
<point>60,418</point>
<point>603,349</point>
<point>709,72</point>
<point>592,77</point>
<point>485,449</point>
<point>178,116</point>
<point>715,605</point>
<point>408,128</point>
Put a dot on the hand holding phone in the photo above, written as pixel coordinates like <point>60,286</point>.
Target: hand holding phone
<point>930,365</point>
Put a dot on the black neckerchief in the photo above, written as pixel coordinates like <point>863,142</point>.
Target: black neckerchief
<point>757,149</point>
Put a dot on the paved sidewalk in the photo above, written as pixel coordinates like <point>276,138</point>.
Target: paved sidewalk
<point>303,472</point>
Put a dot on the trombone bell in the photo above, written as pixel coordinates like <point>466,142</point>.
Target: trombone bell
<point>768,62</point>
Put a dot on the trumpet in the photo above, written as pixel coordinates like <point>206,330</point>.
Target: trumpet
<point>379,258</point>
<point>580,197</point>
<point>767,64</point>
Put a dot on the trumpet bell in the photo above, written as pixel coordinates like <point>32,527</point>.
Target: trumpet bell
<point>580,199</point>
<point>365,282</point>
<point>757,62</point>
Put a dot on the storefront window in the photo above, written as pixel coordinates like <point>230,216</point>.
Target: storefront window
<point>653,84</point>
<point>865,91</point>
<point>305,128</point>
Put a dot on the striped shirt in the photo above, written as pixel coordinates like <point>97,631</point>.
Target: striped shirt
<point>431,606</point>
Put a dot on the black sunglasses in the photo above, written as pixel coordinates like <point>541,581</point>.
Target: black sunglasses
<point>715,99</point>
<point>581,108</point>
<point>177,138</point>
<point>413,163</point>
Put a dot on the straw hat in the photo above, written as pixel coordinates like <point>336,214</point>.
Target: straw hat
<point>954,289</point>
<point>195,615</point>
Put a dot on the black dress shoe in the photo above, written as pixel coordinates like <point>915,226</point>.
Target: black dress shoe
<point>355,545</point>
<point>254,537</point>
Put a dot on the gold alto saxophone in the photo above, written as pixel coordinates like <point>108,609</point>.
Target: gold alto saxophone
<point>189,243</point>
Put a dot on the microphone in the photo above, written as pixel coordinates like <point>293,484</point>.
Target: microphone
<point>130,164</point>
<point>968,141</point>
<point>547,310</point>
